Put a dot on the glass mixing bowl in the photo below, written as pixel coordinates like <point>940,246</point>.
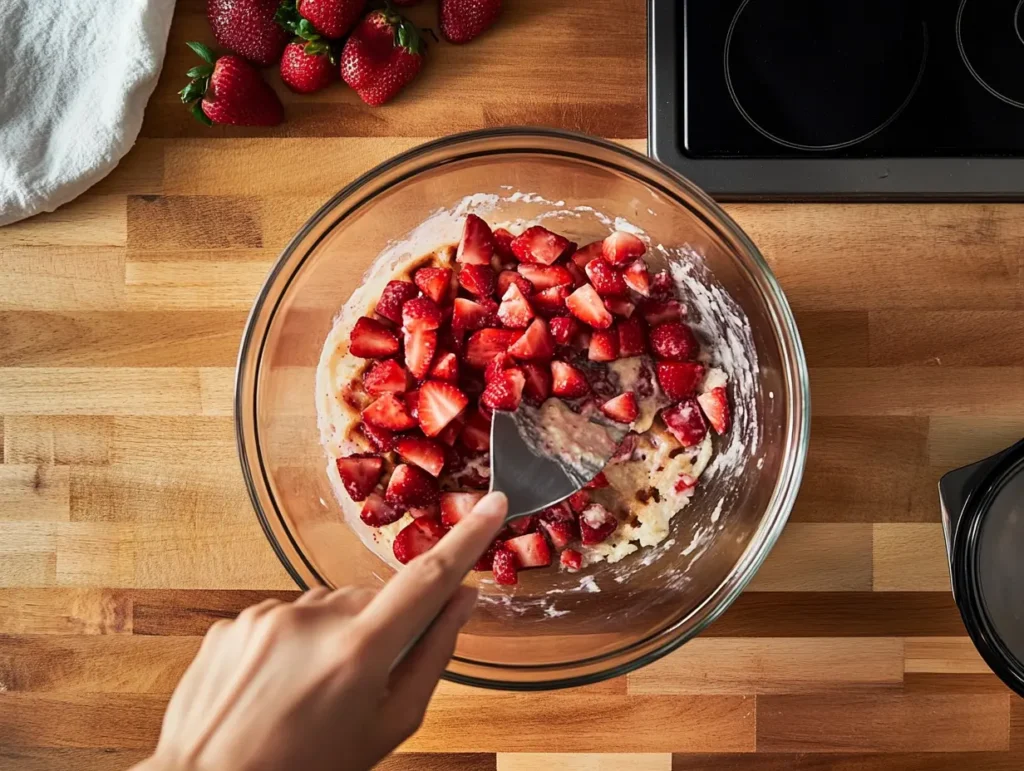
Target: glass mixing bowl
<point>554,629</point>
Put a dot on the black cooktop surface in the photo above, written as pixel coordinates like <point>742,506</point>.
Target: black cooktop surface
<point>847,98</point>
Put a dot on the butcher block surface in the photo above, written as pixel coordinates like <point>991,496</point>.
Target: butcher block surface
<point>125,529</point>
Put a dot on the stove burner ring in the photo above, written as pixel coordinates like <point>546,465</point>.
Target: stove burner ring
<point>967,62</point>
<point>837,145</point>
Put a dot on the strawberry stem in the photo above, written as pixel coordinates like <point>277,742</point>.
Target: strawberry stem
<point>200,81</point>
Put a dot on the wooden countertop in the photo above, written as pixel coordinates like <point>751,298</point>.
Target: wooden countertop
<point>125,528</point>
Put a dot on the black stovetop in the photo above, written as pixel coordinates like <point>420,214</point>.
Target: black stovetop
<point>840,98</point>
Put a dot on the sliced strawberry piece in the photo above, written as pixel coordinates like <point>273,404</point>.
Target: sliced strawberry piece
<point>412,541</point>
<point>421,313</point>
<point>451,432</point>
<point>370,339</point>
<point>503,244</point>
<point>596,524</point>
<point>674,341</point>
<point>523,525</point>
<point>446,367</point>
<point>477,244</point>
<point>484,345</point>
<point>433,511</point>
<point>456,506</point>
<point>625,449</point>
<point>622,247</point>
<point>567,381</point>
<point>411,486</point>
<point>579,277</point>
<point>632,337</point>
<point>379,438</point>
<point>715,404</point>
<point>560,533</point>
<point>440,403</point>
<point>619,307</point>
<point>359,474</point>
<point>586,305</point>
<point>476,435</point>
<point>560,512</point>
<point>622,408</point>
<point>468,315</point>
<point>515,311</point>
<point>604,345</point>
<point>563,329</point>
<point>376,512</point>
<point>539,245</point>
<point>571,560</point>
<point>679,379</point>
<point>659,312</point>
<point>584,255</point>
<point>535,344</point>
<point>420,347</point>
<point>637,278</point>
<point>606,280</point>
<point>504,567</point>
<point>435,283</point>
<point>412,403</point>
<point>538,382</point>
<point>597,482</point>
<point>551,301</point>
<point>579,500</point>
<point>431,526</point>
<point>498,364</point>
<point>386,377</point>
<point>545,276</point>
<point>684,482</point>
<point>663,287</point>
<point>425,453</point>
<point>486,560</point>
<point>685,422</point>
<point>478,279</point>
<point>531,550</point>
<point>505,391</point>
<point>508,277</point>
<point>389,412</point>
<point>395,295</point>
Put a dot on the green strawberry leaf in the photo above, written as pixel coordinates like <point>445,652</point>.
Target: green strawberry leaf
<point>194,90</point>
<point>408,37</point>
<point>203,51</point>
<point>288,16</point>
<point>203,71</point>
<point>199,115</point>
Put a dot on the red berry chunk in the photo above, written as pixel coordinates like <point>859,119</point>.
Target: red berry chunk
<point>685,422</point>
<point>606,280</point>
<point>439,404</point>
<point>622,408</point>
<point>421,313</point>
<point>715,404</point>
<point>637,278</point>
<point>468,315</point>
<point>539,245</point>
<point>545,276</point>
<point>551,301</point>
<point>413,541</point>
<point>389,412</point>
<point>586,305</point>
<point>674,341</point>
<point>659,312</point>
<point>622,247</point>
<point>679,379</point>
<point>411,486</point>
<point>376,512</point>
<point>515,311</point>
<point>508,277</point>
<point>584,255</point>
<point>535,344</point>
<point>560,532</point>
<point>395,295</point>
<point>523,525</point>
<point>505,391</point>
<point>478,279</point>
<point>619,307</point>
<point>538,382</point>
<point>485,344</point>
<point>503,244</point>
<point>597,482</point>
<point>435,283</point>
<point>632,337</point>
<point>604,345</point>
<point>386,377</point>
<point>504,567</point>
<point>476,435</point>
<point>446,367</point>
<point>420,346</point>
<point>531,550</point>
<point>381,439</point>
<point>370,339</point>
<point>456,506</point>
<point>477,244</point>
<point>579,500</point>
<point>425,453</point>
<point>596,524</point>
<point>564,329</point>
<point>571,560</point>
<point>663,287</point>
<point>360,474</point>
<point>568,381</point>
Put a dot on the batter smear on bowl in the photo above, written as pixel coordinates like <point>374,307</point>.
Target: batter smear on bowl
<point>405,398</point>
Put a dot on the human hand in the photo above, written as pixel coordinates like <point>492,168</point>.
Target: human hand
<point>309,684</point>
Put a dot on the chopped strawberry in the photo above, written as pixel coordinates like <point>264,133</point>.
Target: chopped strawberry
<point>619,306</point>
<point>386,377</point>
<point>446,367</point>
<point>498,364</point>
<point>567,381</point>
<point>596,524</point>
<point>659,312</point>
<point>585,254</point>
<point>539,245</point>
<point>674,341</point>
<point>431,526</point>
<point>679,379</point>
<point>395,295</point>
<point>663,287</point>
<point>477,244</point>
<point>632,337</point>
<point>538,382</point>
<point>433,511</point>
<point>412,541</point>
<point>503,244</point>
<point>420,346</point>
<point>508,277</point>
<point>586,305</point>
<point>550,301</point>
<point>440,403</point>
<point>390,413</point>
<point>684,482</point>
<point>377,512</point>
<point>622,247</point>
<point>604,345</point>
<point>523,525</point>
<point>485,344</point>
<point>505,391</point>
<point>571,560</point>
<point>606,280</point>
<point>412,403</point>
<point>435,283</point>
<point>560,533</point>
<point>515,311</point>
<point>504,567</point>
<point>455,506</point>
<point>535,344</point>
<point>531,550</point>
<point>411,486</point>
<point>468,315</point>
<point>426,454</point>
<point>359,474</point>
<point>486,560</point>
<point>597,482</point>
<point>715,404</point>
<point>476,435</point>
<point>579,500</point>
<point>622,408</point>
<point>545,276</point>
<point>451,432</point>
<point>379,438</point>
<point>685,422</point>
<point>625,449</point>
<point>370,339</point>
<point>421,314</point>
<point>637,278</point>
<point>560,512</point>
<point>564,329</point>
<point>478,279</point>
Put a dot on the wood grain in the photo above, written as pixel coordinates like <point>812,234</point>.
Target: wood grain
<point>126,531</point>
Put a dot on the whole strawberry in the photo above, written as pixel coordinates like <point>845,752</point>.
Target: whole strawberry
<point>382,55</point>
<point>304,69</point>
<point>247,28</point>
<point>463,20</point>
<point>332,18</point>
<point>230,90</point>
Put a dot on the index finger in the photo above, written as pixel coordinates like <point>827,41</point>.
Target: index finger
<point>404,608</point>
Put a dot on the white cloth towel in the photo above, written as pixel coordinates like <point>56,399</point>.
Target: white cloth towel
<point>75,76</point>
